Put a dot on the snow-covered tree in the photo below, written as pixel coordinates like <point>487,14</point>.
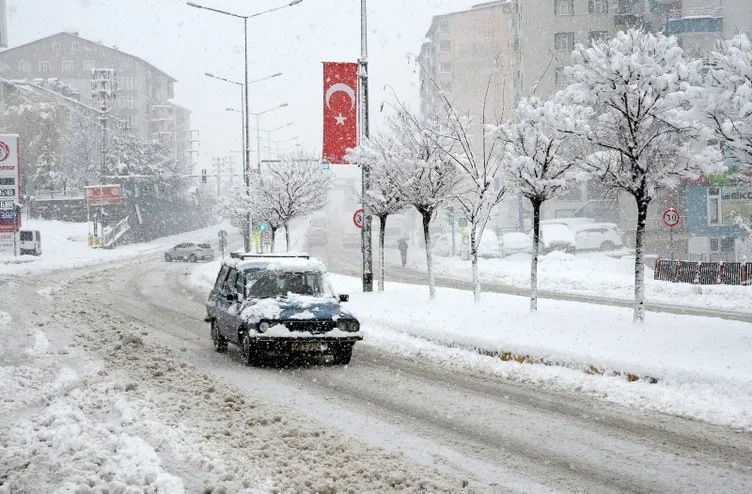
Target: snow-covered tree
<point>383,198</point>
<point>79,150</point>
<point>538,159</point>
<point>639,85</point>
<point>46,170</point>
<point>729,97</point>
<point>480,185</point>
<point>39,124</point>
<point>295,186</point>
<point>426,177</point>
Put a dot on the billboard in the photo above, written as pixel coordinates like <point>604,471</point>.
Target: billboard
<point>3,25</point>
<point>102,195</point>
<point>10,184</point>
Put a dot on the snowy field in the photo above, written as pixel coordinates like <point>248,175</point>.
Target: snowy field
<point>586,273</point>
<point>703,366</point>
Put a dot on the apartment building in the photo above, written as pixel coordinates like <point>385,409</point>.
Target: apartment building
<point>469,56</point>
<point>142,90</point>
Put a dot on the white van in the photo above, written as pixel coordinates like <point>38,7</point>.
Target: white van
<point>30,242</point>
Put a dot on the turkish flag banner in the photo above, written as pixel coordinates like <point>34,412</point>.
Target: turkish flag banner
<point>340,110</point>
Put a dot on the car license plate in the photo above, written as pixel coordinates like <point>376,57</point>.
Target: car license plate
<point>307,346</point>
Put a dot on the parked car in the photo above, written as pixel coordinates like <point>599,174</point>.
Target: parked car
<point>572,223</point>
<point>442,245</point>
<point>515,243</point>
<point>487,249</point>
<point>30,242</point>
<point>555,236</point>
<point>600,236</point>
<point>279,305</point>
<point>188,251</point>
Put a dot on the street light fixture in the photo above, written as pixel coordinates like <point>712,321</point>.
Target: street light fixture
<point>243,142</point>
<point>258,133</point>
<point>246,234</point>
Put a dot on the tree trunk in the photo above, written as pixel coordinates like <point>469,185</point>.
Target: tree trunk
<point>274,237</point>
<point>642,214</point>
<point>474,260</point>
<point>287,236</point>
<point>429,259</point>
<point>382,234</point>
<point>536,203</point>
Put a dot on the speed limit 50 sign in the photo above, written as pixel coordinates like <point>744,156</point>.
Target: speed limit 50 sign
<point>671,217</point>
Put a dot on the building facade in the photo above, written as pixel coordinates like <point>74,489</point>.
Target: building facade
<point>142,90</point>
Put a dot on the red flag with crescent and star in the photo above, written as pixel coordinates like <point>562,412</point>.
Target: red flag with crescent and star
<point>340,110</point>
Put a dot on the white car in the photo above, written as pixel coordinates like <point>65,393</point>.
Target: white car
<point>442,245</point>
<point>555,236</point>
<point>515,243</point>
<point>599,236</point>
<point>488,248</point>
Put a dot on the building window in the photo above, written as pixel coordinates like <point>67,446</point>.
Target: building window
<point>447,87</point>
<point>563,7</point>
<point>597,6</point>
<point>44,67</point>
<point>722,244</point>
<point>68,66</point>
<point>74,46</point>
<point>125,101</point>
<point>55,46</point>
<point>560,80</point>
<point>443,25</point>
<point>445,67</point>
<point>89,65</point>
<point>598,36</point>
<point>564,41</point>
<point>715,216</point>
<point>445,46</point>
<point>24,67</point>
<point>4,67</point>
<point>126,83</point>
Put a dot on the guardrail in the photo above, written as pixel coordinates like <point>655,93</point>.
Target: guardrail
<point>703,273</point>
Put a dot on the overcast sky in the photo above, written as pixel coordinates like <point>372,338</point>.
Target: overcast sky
<point>186,42</point>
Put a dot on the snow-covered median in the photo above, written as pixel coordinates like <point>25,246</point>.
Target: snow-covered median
<point>703,365</point>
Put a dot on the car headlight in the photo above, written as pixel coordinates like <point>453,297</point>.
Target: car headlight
<point>350,326</point>
<point>262,327</point>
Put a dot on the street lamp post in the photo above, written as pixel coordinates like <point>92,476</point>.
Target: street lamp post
<point>246,172</point>
<point>365,169</point>
<point>258,134</point>
<point>244,135</point>
<point>269,137</point>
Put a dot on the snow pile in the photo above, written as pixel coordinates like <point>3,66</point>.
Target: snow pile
<point>703,365</point>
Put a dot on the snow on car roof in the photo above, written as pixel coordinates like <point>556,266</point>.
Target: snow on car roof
<point>282,262</point>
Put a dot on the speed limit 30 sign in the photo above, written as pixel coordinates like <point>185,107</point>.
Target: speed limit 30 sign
<point>671,217</point>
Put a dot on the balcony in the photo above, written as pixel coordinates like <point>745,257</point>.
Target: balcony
<point>697,20</point>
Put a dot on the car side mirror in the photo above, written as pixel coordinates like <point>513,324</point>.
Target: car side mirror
<point>343,297</point>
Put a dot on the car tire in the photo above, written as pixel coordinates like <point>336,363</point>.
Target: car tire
<point>251,356</point>
<point>192,258</point>
<point>220,343</point>
<point>342,356</point>
<point>608,246</point>
<point>168,257</point>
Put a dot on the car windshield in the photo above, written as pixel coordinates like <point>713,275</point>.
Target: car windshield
<point>274,283</point>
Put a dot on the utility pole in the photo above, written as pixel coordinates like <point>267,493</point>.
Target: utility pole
<point>103,85</point>
<point>365,169</point>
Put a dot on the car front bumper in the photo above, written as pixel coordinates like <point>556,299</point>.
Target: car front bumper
<point>309,345</point>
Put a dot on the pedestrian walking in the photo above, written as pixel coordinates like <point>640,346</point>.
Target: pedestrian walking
<point>402,246</point>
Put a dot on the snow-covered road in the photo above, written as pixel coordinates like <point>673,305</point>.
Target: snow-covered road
<point>132,342</point>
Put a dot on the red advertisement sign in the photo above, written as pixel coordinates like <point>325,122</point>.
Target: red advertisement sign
<point>340,109</point>
<point>10,184</point>
<point>102,195</point>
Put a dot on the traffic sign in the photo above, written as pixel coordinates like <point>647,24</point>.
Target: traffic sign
<point>671,217</point>
<point>358,218</point>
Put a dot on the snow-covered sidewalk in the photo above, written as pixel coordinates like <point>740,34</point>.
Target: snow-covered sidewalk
<point>685,365</point>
